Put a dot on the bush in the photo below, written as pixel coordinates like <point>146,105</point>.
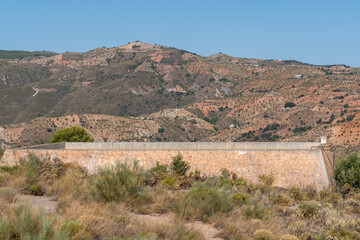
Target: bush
<point>240,198</point>
<point>36,190</point>
<point>350,117</point>
<point>156,174</point>
<point>46,169</point>
<point>289,105</point>
<point>263,234</point>
<point>255,210</point>
<point>21,222</point>
<point>203,201</point>
<point>297,193</point>
<point>308,209</point>
<point>75,229</point>
<point>31,168</point>
<point>179,166</point>
<point>119,183</point>
<point>267,179</point>
<point>288,237</point>
<point>347,171</point>
<point>72,134</point>
<point>283,199</point>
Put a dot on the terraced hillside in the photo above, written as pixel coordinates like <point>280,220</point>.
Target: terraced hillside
<point>156,93</point>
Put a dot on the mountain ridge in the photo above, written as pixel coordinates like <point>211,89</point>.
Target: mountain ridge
<point>242,99</point>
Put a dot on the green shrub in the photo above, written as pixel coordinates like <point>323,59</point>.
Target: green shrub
<point>283,199</point>
<point>263,234</point>
<point>72,134</point>
<point>4,176</point>
<point>10,169</point>
<point>21,222</point>
<point>73,228</point>
<point>350,117</point>
<point>31,168</point>
<point>241,198</point>
<point>347,171</point>
<point>36,190</point>
<point>225,173</point>
<point>328,195</point>
<point>156,174</point>
<point>288,237</point>
<point>179,166</point>
<point>289,105</point>
<point>121,182</point>
<point>255,210</point>
<point>267,179</point>
<point>308,209</point>
<point>203,201</point>
<point>296,193</point>
<point>310,192</point>
<point>38,171</point>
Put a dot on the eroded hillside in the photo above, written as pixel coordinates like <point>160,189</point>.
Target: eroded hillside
<point>144,88</point>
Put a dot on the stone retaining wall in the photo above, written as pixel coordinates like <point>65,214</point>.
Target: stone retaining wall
<point>294,164</point>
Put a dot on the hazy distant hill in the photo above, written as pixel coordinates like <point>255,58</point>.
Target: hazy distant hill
<point>4,54</point>
<point>241,99</point>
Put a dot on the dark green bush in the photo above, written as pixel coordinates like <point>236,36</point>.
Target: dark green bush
<point>347,171</point>
<point>121,182</point>
<point>179,166</point>
<point>36,190</point>
<point>156,174</point>
<point>72,134</point>
<point>350,117</point>
<point>289,105</point>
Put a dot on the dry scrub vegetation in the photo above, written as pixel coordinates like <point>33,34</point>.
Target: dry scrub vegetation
<point>126,202</point>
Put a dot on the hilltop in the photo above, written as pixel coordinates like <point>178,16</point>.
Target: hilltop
<point>138,85</point>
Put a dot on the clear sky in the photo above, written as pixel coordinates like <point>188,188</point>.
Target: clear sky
<point>312,31</point>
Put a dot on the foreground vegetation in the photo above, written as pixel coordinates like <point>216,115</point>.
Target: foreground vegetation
<point>126,202</point>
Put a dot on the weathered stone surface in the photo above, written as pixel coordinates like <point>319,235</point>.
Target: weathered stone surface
<point>301,166</point>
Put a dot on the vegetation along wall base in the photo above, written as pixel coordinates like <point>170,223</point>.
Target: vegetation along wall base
<point>293,164</point>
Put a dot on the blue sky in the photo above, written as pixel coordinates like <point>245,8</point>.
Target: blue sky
<point>316,31</point>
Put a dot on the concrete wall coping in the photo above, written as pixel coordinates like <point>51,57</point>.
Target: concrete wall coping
<point>183,146</point>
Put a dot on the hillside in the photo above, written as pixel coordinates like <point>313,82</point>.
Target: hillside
<point>140,85</point>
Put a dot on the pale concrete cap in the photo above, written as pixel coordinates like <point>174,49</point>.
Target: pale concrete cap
<point>323,139</point>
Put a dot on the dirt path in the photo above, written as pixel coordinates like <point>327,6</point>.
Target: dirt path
<point>49,204</point>
<point>36,91</point>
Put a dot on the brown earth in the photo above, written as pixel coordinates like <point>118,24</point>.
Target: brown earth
<point>128,93</point>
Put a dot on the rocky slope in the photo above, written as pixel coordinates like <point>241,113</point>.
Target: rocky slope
<point>146,87</point>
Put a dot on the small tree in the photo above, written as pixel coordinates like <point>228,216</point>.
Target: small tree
<point>348,170</point>
<point>289,105</point>
<point>178,165</point>
<point>72,134</point>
